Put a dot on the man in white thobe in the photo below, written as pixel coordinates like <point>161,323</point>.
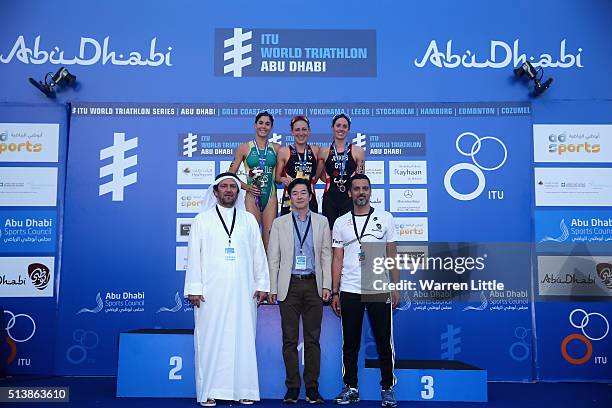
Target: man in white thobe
<point>227,277</point>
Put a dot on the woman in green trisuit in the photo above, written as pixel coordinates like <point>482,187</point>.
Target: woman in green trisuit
<point>259,158</point>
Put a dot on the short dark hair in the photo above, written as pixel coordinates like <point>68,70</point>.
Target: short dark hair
<point>297,182</point>
<point>265,113</point>
<point>341,115</point>
<point>359,177</point>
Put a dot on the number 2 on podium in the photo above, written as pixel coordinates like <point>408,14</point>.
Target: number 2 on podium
<point>176,362</point>
<point>428,389</point>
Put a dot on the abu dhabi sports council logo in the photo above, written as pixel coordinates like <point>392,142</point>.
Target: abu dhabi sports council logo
<point>179,304</point>
<point>40,275</point>
<point>4,136</point>
<point>594,327</point>
<point>116,169</point>
<point>117,302</point>
<point>475,167</point>
<point>237,50</point>
<point>95,310</point>
<point>242,52</point>
<point>562,237</point>
<point>484,303</point>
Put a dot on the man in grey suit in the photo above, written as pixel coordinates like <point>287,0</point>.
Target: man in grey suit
<point>299,258</point>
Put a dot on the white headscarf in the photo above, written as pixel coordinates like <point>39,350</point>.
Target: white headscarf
<point>210,200</point>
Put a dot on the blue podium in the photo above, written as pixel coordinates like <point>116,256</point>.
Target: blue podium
<point>160,363</point>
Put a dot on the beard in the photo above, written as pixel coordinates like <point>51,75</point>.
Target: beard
<point>228,201</point>
<point>360,201</point>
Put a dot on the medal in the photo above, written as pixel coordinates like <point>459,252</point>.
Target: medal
<point>342,164</point>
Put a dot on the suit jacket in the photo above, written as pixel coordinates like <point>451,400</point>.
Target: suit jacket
<point>280,254</point>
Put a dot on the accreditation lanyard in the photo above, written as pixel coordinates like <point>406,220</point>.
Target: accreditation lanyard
<point>357,235</point>
<point>228,232</point>
<point>262,159</point>
<point>344,158</point>
<point>302,162</point>
<point>297,231</point>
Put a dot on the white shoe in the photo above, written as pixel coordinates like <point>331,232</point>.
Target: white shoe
<point>246,402</point>
<point>208,403</point>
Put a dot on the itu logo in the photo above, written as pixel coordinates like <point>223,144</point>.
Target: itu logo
<point>238,49</point>
<point>20,328</point>
<point>360,140</point>
<point>450,342</point>
<point>190,144</point>
<point>475,167</point>
<point>580,319</point>
<point>117,168</point>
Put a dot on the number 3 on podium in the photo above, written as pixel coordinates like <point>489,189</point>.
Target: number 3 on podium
<point>428,389</point>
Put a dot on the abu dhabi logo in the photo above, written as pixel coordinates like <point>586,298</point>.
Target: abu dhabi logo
<point>238,49</point>
<point>4,136</point>
<point>604,271</point>
<point>97,309</point>
<point>474,167</point>
<point>501,55</point>
<point>582,321</point>
<point>561,238</point>
<point>360,140</point>
<point>39,274</point>
<point>117,168</point>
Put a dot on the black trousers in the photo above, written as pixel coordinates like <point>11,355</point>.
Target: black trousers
<point>353,307</point>
<point>302,301</point>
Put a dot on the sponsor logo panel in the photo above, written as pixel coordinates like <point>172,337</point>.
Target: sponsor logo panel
<point>407,172</point>
<point>28,231</point>
<point>575,275</point>
<point>411,229</point>
<point>195,172</point>
<point>570,227</point>
<point>408,200</point>
<point>183,226</point>
<point>377,199</point>
<point>189,201</point>
<point>26,277</point>
<point>29,142</point>
<point>578,187</point>
<point>375,170</point>
<point>181,258</point>
<point>28,186</point>
<point>572,143</point>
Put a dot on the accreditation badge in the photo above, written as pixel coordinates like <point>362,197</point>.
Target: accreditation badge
<point>230,254</point>
<point>300,262</point>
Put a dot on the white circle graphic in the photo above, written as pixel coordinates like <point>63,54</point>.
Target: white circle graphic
<point>13,320</point>
<point>585,321</point>
<point>473,153</point>
<point>469,167</point>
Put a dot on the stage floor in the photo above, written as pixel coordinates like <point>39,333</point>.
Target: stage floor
<point>100,392</point>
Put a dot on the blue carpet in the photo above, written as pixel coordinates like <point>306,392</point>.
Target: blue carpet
<point>100,392</point>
